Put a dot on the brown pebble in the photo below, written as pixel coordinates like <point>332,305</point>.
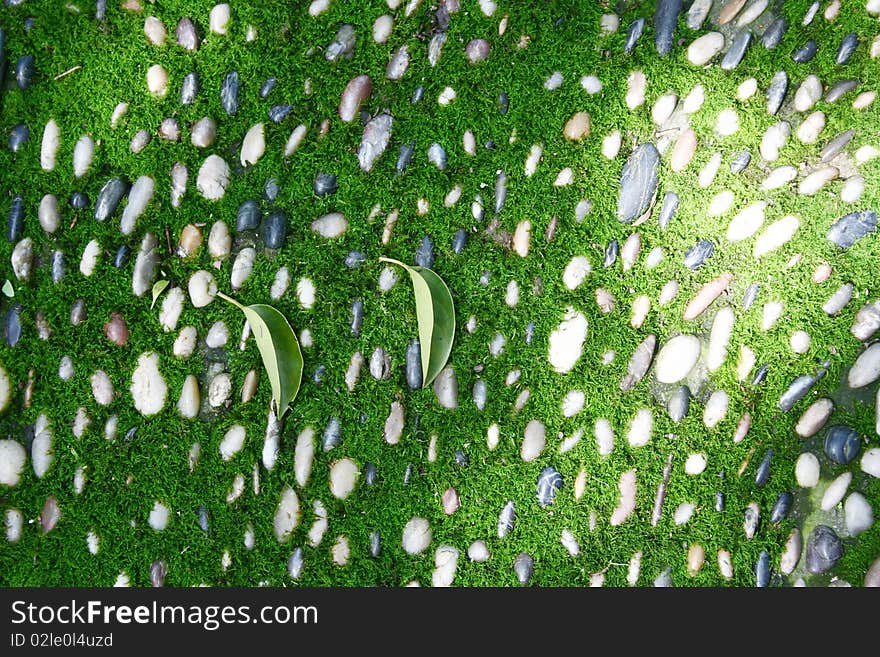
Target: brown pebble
<point>190,241</point>
<point>116,330</point>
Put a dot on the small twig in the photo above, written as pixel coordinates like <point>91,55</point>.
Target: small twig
<point>73,223</point>
<point>67,72</point>
<point>168,240</point>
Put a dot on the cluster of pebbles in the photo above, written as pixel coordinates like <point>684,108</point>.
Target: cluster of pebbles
<point>674,374</point>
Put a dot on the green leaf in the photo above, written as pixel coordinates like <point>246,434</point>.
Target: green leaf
<point>436,317</point>
<point>279,350</point>
<point>158,288</point>
<point>8,289</point>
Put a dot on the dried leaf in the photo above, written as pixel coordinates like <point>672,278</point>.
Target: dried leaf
<point>436,318</point>
<point>158,288</point>
<point>279,350</point>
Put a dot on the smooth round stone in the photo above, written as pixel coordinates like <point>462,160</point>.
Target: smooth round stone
<point>343,477</point>
<point>866,369</point>
<point>695,464</point>
<point>727,122</point>
<point>18,137</point>
<point>677,358</point>
<point>842,444</point>
<point>800,342</point>
<point>324,184</point>
<point>806,470</point>
<point>275,230</point>
<point>25,68</point>
<point>835,491</point>
<point>704,48</point>
<point>578,126</point>
<point>824,549</point>
<point>248,217</point>
<point>806,52</point>
<point>747,89</point>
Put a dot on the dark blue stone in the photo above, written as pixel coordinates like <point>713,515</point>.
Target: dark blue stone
<point>405,156</point>
<point>549,481</point>
<point>461,458</point>
<point>668,209</point>
<point>762,475</point>
<point>15,221</point>
<point>275,230</point>
<point>740,162</point>
<point>109,197</point>
<point>665,20</point>
<point>638,183</point>
<point>324,184</point>
<point>407,474</point>
<point>504,102</point>
<point>842,444</point>
<point>418,94</point>
<point>633,34</point>
<point>806,52</point>
<point>25,68</point>
<point>101,15</point>
<point>248,217</point>
<point>203,518</point>
<point>762,569</point>
<point>122,255</point>
<point>13,325</point>
<point>781,507</point>
<point>776,91</point>
<point>750,295</point>
<point>852,227</point>
<point>611,252</point>
<point>760,375</point>
<point>720,499</point>
<point>229,93</point>
<point>318,378</point>
<point>79,201</point>
<point>530,333</point>
<point>824,550</point>
<point>355,259</point>
<point>190,88</point>
<point>696,256</point>
<point>277,113</point>
<point>737,51</point>
<point>425,253</point>
<point>370,473</point>
<point>459,240</point>
<point>847,47</point>
<point>18,137</point>
<point>267,87</point>
<point>774,33</point>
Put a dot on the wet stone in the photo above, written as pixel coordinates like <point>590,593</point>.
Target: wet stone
<point>248,217</point>
<point>275,230</point>
<point>271,190</point>
<point>847,47</point>
<point>840,89</point>
<point>58,267</point>
<point>357,317</point>
<point>79,201</point>
<point>414,365</point>
<point>267,87</point>
<point>524,567</point>
<point>459,240</point>
<point>806,52</point>
<point>836,145</point>
<point>332,435</point>
<point>781,507</point>
<point>665,20</point>
<point>425,253</point>
<point>852,227</point>
<point>842,444</point>
<point>760,374</point>
<point>370,474</point>
<point>324,184</point>
<point>696,256</point>
<point>549,481</point>
<point>109,198</point>
<point>404,157</point>
<point>638,183</point>
<point>824,549</point>
<point>720,499</point>
<point>461,459</point>
<point>229,91</point>
<point>740,162</point>
<point>355,259</point>
<point>12,325</point>
<point>417,94</point>
<point>668,209</point>
<point>762,475</point>
<point>18,137</point>
<point>762,569</point>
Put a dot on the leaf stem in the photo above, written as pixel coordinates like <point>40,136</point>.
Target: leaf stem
<point>392,260</point>
<point>230,300</point>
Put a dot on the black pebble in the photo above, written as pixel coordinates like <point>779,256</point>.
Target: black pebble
<point>842,444</point>
<point>229,93</point>
<point>461,458</point>
<point>275,230</point>
<point>760,375</point>
<point>122,256</point>
<point>324,184</point>
<point>79,201</point>
<point>25,68</point>
<point>248,217</point>
<point>781,507</point>
<point>611,252</point>
<point>405,156</point>
<point>806,52</point>
<point>370,473</point>
<point>696,256</point>
<point>19,136</point>
<point>763,473</point>
<point>267,87</point>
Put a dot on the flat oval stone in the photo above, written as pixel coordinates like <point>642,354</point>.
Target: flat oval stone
<point>549,481</point>
<point>842,444</point>
<point>665,20</point>
<point>248,217</point>
<point>271,190</point>
<point>697,14</point>
<point>58,267</point>
<point>25,68</point>
<point>840,89</point>
<point>737,51</point>
<point>638,183</point>
<point>774,33</point>
<point>123,253</point>
<point>633,34</point>
<point>824,549</point>
<point>13,325</point>
<point>847,47</point>
<point>806,52</point>
<point>776,91</point>
<point>355,259</point>
<point>414,365</point>
<point>229,93</point>
<point>781,507</point>
<point>667,209</point>
<point>18,137</point>
<point>852,227</point>
<point>275,230</point>
<point>762,475</point>
<point>750,295</point>
<point>696,256</point>
<point>109,197</point>
<point>357,316</point>
<point>760,375</point>
<point>762,569</point>
<point>15,220</point>
<point>189,89</point>
<point>524,567</point>
<point>677,358</point>
<point>267,87</point>
<point>679,404</point>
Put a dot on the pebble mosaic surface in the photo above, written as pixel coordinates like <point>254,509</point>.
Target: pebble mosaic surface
<point>658,222</point>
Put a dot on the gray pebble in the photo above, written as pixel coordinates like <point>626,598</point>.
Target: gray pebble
<point>25,68</point>
<point>271,190</point>
<point>611,252</point>
<point>120,259</point>
<point>203,518</point>
<point>15,219</point>
<point>357,316</point>
<point>842,444</point>
<point>549,481</point>
<point>750,295</point>
<point>375,544</point>
<point>58,267</point>
<point>13,325</point>
<point>18,137</point>
<point>109,197</point>
<point>324,184</point>
<point>668,209</point>
<point>836,145</point>
<point>318,375</point>
<point>418,94</point>
<point>267,87</point>
<point>229,93</point>
<point>740,162</point>
<point>840,89</point>
<point>638,183</point>
<point>332,434</point>
<point>342,44</point>
<point>524,567</point>
<point>405,156</point>
<point>762,475</point>
<point>461,458</point>
<point>79,201</point>
<point>500,191</point>
<point>78,312</point>
<point>295,563</point>
<point>425,253</point>
<point>530,333</point>
<point>679,404</point>
<point>762,569</point>
<point>189,89</point>
<point>370,473</point>
<point>248,217</point>
<point>437,156</point>
<point>355,259</point>
<point>506,519</point>
<point>806,52</point>
<point>760,374</point>
<point>665,20</point>
<point>737,51</point>
<point>824,549</point>
<point>158,571</point>
<point>407,474</point>
<point>187,35</point>
<point>633,34</point>
<point>774,33</point>
<point>696,256</point>
<point>776,91</point>
<point>275,230</point>
<point>852,227</point>
<point>277,113</point>
<point>459,240</point>
<point>414,365</point>
<point>847,47</point>
<point>720,499</point>
<point>781,507</point>
<point>752,520</point>
<point>480,394</point>
<point>504,102</point>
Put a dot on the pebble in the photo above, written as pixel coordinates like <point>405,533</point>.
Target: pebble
<point>719,338</point>
<point>840,89</point>
<point>696,558</point>
<point>835,491</point>
<point>736,51</point>
<point>534,441</point>
<point>842,444</point>
<point>416,535</point>
<point>148,388</point>
<point>858,514</point>
<point>850,228</point>
<point>696,256</point>
<point>806,52</point>
<point>839,299</point>
<point>549,481</point>
<point>189,89</point>
<point>852,189</point>
<point>791,554</point>
<point>636,82</point>
<point>866,368</point>
<point>746,222</point>
<point>253,146</point>
<point>567,340</point>
<point>640,428</point>
<point>824,549</point>
<point>775,236</point>
<point>638,183</point>
<point>848,46</point>
<point>870,462</point>
<point>202,288</point>
<point>229,93</point>
<point>809,130</point>
<point>683,513</point>
<point>446,388</point>
<point>704,48</point>
<point>287,516</point>
<point>18,137</point>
